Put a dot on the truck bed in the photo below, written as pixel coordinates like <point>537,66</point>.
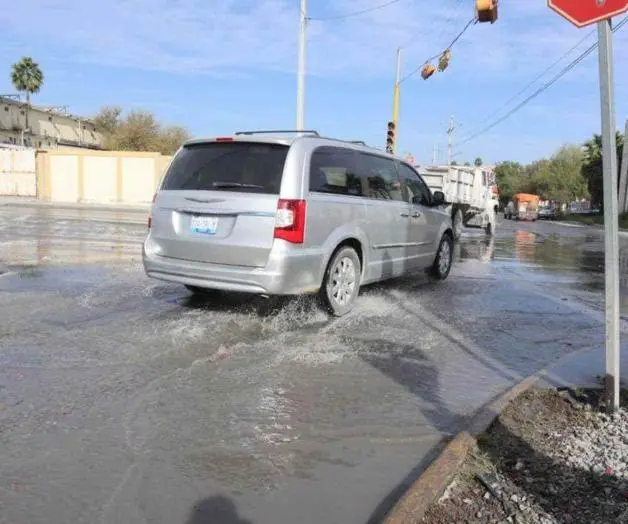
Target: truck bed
<point>461,185</point>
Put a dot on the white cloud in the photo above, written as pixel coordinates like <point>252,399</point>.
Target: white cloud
<point>195,36</point>
<point>237,39</point>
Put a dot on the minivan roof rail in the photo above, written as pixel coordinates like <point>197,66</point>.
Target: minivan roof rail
<point>278,131</point>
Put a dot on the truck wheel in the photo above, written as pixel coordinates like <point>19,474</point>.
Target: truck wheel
<point>444,258</point>
<point>457,224</point>
<point>341,283</point>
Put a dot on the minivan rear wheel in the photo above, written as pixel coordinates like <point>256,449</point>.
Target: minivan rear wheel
<point>341,284</point>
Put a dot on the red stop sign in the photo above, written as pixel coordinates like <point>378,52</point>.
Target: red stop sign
<point>586,12</point>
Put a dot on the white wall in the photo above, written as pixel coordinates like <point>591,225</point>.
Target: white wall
<point>18,176</point>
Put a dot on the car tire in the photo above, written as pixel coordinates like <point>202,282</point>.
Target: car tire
<point>341,283</point>
<point>444,258</point>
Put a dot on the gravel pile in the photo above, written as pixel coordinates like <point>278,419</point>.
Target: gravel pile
<point>601,447</point>
<point>548,459</point>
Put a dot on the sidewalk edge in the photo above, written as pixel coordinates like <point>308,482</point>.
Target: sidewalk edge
<point>434,480</point>
<point>138,208</point>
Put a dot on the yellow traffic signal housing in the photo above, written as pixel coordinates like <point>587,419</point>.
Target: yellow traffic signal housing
<point>443,61</point>
<point>390,137</point>
<point>428,71</point>
<point>486,10</point>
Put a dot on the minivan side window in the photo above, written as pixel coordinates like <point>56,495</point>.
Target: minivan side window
<point>418,192</point>
<point>379,177</point>
<point>334,170</point>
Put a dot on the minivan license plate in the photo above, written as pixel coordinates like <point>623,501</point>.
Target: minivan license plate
<point>204,224</point>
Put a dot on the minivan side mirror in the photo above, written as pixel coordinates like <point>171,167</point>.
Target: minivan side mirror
<point>438,198</point>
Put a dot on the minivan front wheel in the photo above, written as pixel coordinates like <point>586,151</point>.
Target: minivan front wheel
<point>341,284</point>
<point>444,258</point>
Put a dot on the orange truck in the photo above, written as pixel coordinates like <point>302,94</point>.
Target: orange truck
<point>526,207</point>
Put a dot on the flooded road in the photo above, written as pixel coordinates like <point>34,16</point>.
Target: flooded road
<point>123,399</point>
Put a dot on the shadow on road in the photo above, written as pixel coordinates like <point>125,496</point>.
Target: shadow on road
<point>214,300</point>
<point>409,366</point>
<point>216,510</point>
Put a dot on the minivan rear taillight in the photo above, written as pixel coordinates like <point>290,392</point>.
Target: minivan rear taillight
<point>290,220</point>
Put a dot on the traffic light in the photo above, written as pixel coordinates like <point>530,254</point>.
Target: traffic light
<point>486,10</point>
<point>427,71</point>
<point>390,138</point>
<point>443,61</point>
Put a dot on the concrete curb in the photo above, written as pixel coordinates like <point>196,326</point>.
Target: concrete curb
<point>622,232</point>
<point>435,479</point>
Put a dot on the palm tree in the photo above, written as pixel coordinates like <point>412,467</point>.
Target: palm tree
<point>27,77</point>
<point>592,166</point>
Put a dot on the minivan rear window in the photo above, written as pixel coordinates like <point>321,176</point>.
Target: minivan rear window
<point>227,166</point>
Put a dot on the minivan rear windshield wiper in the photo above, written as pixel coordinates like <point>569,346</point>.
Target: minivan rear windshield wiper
<point>226,185</point>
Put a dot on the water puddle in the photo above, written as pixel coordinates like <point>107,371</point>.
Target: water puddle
<point>573,261</point>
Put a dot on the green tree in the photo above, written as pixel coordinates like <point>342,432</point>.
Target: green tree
<point>562,180</point>
<point>509,176</point>
<point>137,131</point>
<point>477,162</point>
<point>171,138</point>
<point>108,119</point>
<point>592,167</point>
<point>27,77</point>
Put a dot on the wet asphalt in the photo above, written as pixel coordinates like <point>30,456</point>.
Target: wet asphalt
<point>124,399</point>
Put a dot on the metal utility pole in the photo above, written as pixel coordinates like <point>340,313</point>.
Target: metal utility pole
<point>450,140</point>
<point>623,176</point>
<point>396,93</point>
<point>301,66</point>
<point>611,226</point>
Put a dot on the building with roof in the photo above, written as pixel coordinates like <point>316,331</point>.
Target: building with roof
<point>45,127</point>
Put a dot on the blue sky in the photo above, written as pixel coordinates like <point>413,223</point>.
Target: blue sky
<point>220,66</point>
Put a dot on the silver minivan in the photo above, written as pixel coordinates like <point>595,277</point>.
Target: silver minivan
<point>275,213</point>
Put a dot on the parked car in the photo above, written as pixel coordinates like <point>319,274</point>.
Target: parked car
<point>274,214</point>
<point>547,213</point>
<point>509,210</point>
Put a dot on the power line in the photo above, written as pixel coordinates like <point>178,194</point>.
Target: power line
<point>356,13</point>
<point>457,37</point>
<point>538,77</point>
<point>453,10</point>
<point>541,89</point>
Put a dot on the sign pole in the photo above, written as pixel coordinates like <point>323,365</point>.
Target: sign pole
<point>611,226</point>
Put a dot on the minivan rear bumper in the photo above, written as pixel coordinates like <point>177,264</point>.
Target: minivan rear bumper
<point>285,273</point>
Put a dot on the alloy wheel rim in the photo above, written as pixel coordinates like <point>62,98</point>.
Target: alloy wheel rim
<point>444,258</point>
<point>342,281</point>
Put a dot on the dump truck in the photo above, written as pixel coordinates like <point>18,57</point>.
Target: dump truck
<point>470,193</point>
<point>525,207</point>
